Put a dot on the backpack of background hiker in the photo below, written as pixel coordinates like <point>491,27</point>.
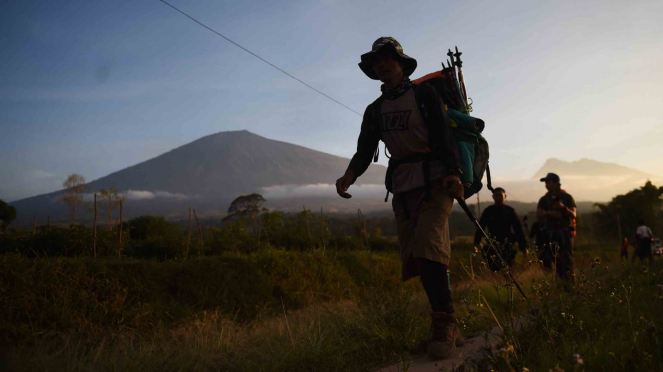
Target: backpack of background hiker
<point>472,146</point>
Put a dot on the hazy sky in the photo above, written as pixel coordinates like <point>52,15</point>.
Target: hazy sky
<point>93,87</point>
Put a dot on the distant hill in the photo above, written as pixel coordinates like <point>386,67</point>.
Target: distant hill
<point>209,173</point>
<point>588,169</point>
<point>585,179</point>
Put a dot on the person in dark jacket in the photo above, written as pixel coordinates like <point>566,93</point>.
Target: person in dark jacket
<point>557,210</point>
<point>423,175</point>
<point>502,223</point>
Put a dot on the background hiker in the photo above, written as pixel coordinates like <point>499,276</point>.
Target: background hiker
<point>643,239</point>
<point>624,250</point>
<point>504,225</point>
<point>557,210</point>
<point>423,175</point>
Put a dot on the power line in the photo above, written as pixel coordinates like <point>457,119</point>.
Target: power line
<point>257,56</point>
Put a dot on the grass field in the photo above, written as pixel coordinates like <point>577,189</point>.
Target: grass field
<point>276,310</point>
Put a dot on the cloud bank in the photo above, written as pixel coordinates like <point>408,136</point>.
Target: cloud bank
<point>319,190</point>
<point>143,195</point>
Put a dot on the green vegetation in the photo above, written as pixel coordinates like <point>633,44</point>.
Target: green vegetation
<point>644,202</point>
<point>609,320</point>
<point>300,292</point>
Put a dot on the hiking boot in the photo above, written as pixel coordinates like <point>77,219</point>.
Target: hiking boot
<point>445,336</point>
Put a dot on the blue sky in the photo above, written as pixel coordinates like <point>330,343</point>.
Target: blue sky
<point>94,87</point>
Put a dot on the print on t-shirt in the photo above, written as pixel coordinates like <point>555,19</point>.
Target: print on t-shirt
<point>398,120</point>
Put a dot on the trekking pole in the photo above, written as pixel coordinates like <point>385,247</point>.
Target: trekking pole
<point>508,274</point>
<point>461,78</point>
<point>455,80</point>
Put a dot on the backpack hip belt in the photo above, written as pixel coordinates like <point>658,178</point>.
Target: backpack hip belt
<point>416,158</point>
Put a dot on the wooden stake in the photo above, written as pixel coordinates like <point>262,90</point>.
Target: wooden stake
<point>362,228</point>
<point>266,236</point>
<point>200,229</point>
<point>259,229</point>
<point>308,227</point>
<point>322,229</point>
<point>34,227</point>
<point>188,242</point>
<point>619,230</point>
<point>359,226</point>
<point>94,229</point>
<point>34,230</point>
<point>119,252</point>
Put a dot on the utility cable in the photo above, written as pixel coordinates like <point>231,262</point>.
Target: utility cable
<point>257,56</point>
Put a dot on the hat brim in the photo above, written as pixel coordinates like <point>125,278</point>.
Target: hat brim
<point>544,179</point>
<point>366,65</point>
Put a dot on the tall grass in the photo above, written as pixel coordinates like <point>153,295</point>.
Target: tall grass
<point>277,310</point>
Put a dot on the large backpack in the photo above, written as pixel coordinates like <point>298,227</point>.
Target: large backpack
<point>472,146</point>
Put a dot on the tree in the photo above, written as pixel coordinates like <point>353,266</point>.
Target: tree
<point>643,203</point>
<point>7,215</point>
<point>112,200</point>
<point>245,207</point>
<point>73,195</point>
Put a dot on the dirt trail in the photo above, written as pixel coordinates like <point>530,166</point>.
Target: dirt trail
<point>474,349</point>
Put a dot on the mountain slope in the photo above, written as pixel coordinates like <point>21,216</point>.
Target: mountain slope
<point>231,163</point>
<point>211,172</point>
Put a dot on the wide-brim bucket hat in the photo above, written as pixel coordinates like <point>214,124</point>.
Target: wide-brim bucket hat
<point>366,65</point>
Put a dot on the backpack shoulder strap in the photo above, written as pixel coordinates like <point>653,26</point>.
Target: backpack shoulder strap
<point>418,99</point>
<point>376,112</point>
<point>376,117</point>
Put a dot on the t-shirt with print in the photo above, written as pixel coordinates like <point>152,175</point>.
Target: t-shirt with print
<point>404,132</point>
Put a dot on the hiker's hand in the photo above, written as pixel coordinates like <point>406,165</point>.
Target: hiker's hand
<point>343,183</point>
<point>453,186</point>
<point>558,204</point>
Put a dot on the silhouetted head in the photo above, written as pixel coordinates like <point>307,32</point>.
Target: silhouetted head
<point>388,68</point>
<point>552,182</point>
<point>641,222</point>
<point>387,62</point>
<point>499,196</point>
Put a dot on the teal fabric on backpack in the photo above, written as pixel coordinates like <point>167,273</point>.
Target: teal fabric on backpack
<point>472,148</point>
<point>466,152</point>
<point>465,122</point>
